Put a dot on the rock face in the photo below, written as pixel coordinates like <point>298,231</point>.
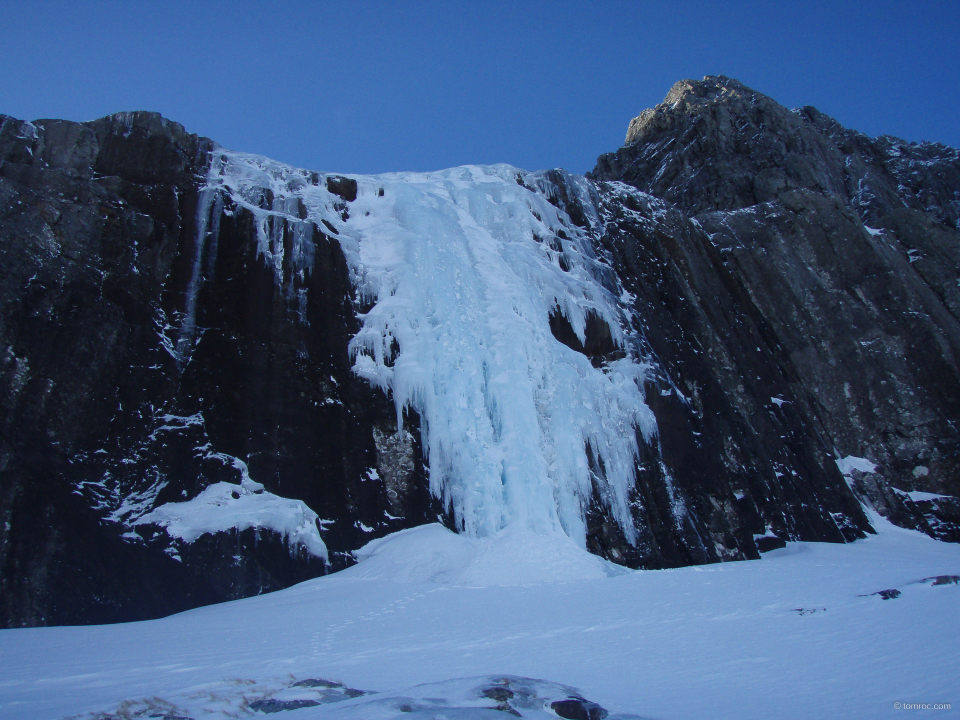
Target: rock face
<point>794,286</point>
<point>111,407</point>
<point>813,275</point>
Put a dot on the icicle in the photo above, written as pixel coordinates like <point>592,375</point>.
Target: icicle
<point>209,208</point>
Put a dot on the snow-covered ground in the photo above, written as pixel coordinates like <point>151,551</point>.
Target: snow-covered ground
<point>798,634</point>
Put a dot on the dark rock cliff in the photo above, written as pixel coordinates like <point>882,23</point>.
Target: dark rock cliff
<point>812,275</point>
<point>795,285</point>
<point>110,400</point>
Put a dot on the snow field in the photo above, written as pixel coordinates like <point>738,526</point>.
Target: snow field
<point>797,634</point>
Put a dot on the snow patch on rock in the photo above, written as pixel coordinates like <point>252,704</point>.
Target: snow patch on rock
<point>224,506</point>
<point>848,464</point>
<point>920,496</point>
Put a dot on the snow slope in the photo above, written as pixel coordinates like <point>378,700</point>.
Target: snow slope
<point>800,633</point>
<point>433,554</point>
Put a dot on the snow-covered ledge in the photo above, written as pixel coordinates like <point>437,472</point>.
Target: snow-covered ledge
<point>226,506</point>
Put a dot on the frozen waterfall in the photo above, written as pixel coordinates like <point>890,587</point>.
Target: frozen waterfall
<point>460,270</point>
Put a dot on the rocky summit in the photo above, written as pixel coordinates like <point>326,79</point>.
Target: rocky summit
<point>220,375</point>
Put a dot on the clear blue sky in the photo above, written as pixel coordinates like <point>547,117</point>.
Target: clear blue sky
<point>362,86</point>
